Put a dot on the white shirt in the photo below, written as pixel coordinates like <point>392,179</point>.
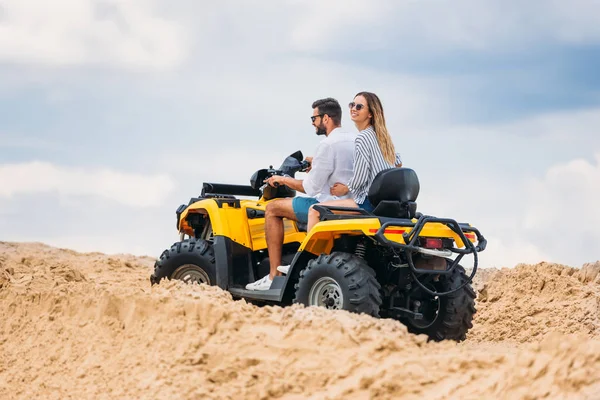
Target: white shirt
<point>333,162</point>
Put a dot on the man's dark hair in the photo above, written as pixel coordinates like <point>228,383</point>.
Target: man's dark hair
<point>330,107</point>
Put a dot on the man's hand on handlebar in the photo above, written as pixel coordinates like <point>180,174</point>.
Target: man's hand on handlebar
<point>276,180</point>
<point>309,159</point>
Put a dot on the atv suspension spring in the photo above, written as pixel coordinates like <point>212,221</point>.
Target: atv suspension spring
<point>361,249</point>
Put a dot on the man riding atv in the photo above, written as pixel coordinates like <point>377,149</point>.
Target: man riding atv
<point>388,262</point>
<point>332,163</point>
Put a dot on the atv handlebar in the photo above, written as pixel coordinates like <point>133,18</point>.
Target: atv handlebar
<point>302,167</point>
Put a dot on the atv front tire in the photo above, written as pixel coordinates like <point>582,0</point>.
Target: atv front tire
<point>189,261</point>
<point>339,281</point>
<point>455,311</point>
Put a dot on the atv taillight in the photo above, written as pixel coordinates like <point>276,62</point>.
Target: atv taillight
<point>432,243</point>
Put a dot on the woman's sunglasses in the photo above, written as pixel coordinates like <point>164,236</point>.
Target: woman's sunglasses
<point>358,106</point>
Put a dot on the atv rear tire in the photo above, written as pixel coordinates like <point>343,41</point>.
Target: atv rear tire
<point>339,281</point>
<point>189,261</point>
<point>455,311</point>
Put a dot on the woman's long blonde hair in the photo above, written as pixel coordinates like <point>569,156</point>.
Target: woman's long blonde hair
<point>378,122</point>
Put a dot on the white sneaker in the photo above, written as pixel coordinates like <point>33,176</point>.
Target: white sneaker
<point>283,269</point>
<point>261,284</point>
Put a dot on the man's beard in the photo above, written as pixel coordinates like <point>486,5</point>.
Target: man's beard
<point>321,130</point>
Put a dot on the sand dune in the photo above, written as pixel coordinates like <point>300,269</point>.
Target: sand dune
<point>90,325</point>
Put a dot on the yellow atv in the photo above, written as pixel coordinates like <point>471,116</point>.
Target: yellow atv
<point>392,263</point>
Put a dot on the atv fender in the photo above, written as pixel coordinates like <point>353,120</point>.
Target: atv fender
<point>227,219</point>
<point>323,235</point>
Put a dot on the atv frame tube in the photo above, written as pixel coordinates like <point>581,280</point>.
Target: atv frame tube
<point>410,247</point>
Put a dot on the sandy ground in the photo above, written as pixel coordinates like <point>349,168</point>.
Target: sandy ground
<point>76,326</point>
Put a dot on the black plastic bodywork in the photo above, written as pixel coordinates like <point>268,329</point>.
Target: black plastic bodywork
<point>227,189</point>
<point>233,262</point>
<point>236,265</point>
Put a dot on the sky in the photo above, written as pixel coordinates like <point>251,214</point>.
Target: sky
<point>112,113</point>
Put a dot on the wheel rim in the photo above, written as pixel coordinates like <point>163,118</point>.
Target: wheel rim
<point>190,273</point>
<point>326,292</point>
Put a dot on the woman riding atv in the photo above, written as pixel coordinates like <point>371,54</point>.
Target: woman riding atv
<point>373,152</point>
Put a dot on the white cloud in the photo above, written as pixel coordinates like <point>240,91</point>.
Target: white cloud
<point>575,21</point>
<point>478,25</point>
<point>127,34</point>
<point>507,252</point>
<point>569,188</point>
<point>562,212</point>
<point>322,22</point>
<point>140,34</point>
<point>531,186</point>
<point>127,189</point>
<point>24,142</point>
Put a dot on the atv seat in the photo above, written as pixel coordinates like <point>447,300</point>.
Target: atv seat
<point>393,193</point>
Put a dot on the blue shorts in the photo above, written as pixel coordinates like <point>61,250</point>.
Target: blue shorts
<point>366,205</point>
<point>301,205</point>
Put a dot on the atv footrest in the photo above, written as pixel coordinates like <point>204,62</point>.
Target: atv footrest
<point>273,294</point>
<point>269,295</point>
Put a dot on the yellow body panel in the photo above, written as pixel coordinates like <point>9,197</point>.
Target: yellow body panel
<point>320,240</point>
<point>234,223</point>
<point>257,233</point>
<point>250,232</point>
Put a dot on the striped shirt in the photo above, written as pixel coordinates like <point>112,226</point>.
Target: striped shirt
<point>368,162</point>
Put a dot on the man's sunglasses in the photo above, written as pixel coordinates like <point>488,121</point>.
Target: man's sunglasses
<point>358,106</point>
<point>315,117</point>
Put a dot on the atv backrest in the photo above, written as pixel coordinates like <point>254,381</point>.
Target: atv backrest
<point>394,184</point>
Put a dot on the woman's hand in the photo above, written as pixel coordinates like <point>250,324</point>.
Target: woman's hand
<point>339,189</point>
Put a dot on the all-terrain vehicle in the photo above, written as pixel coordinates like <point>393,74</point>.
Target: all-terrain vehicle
<point>392,263</point>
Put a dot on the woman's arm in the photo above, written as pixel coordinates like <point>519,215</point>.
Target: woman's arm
<point>362,167</point>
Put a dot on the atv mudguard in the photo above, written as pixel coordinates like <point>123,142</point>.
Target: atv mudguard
<point>321,238</point>
<point>242,221</point>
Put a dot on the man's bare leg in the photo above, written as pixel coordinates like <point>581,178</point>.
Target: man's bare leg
<point>313,215</point>
<point>274,214</point>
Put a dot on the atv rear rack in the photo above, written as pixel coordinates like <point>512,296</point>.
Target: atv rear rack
<point>410,239</point>
<point>410,247</point>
